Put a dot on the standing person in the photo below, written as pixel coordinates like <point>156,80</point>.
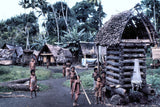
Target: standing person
<point>67,71</point>
<point>32,65</point>
<point>48,64</point>
<point>98,90</point>
<point>72,79</point>
<point>76,89</point>
<point>94,76</point>
<point>64,70</point>
<point>103,75</point>
<point>33,83</point>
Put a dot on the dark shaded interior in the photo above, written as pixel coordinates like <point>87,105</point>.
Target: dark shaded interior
<point>135,29</point>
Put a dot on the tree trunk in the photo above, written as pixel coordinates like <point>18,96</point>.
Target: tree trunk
<point>55,16</point>
<point>27,37</point>
<point>65,18</point>
<point>16,85</point>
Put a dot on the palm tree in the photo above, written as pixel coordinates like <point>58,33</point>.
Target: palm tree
<point>72,40</point>
<point>40,42</point>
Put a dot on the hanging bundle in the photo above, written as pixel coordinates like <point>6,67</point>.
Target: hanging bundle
<point>136,79</point>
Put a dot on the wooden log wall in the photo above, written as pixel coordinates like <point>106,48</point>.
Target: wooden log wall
<point>120,63</point>
<point>113,67</point>
<point>131,51</point>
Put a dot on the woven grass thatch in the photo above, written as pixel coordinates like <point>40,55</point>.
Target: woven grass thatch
<point>60,54</point>
<point>112,31</point>
<point>6,53</point>
<point>18,49</point>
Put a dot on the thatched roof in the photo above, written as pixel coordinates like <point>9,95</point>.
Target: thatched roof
<point>89,48</point>
<point>112,31</point>
<point>65,52</point>
<point>56,50</point>
<point>53,49</point>
<point>6,53</point>
<point>18,49</point>
<point>36,53</point>
<point>62,55</point>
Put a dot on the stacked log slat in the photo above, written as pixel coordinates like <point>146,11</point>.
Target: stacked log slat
<point>120,63</point>
<point>113,66</point>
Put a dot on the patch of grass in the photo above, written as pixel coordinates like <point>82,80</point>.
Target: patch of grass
<point>42,73</point>
<point>43,87</point>
<point>57,75</point>
<point>85,77</point>
<point>67,83</point>
<point>153,78</point>
<point>18,72</point>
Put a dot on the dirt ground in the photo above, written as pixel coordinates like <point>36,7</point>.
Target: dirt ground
<point>56,96</point>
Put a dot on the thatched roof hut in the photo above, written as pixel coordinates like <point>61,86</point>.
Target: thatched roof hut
<point>54,54</point>
<point>64,55</point>
<point>18,49</point>
<point>126,37</point>
<point>126,25</point>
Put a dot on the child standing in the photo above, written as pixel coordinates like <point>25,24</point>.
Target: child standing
<point>64,70</point>
<point>94,76</point>
<point>72,79</point>
<point>76,89</point>
<point>103,75</point>
<point>67,71</point>
<point>33,83</point>
<point>98,90</point>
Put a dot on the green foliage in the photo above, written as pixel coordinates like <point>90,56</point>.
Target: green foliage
<point>57,75</point>
<point>148,7</point>
<point>74,36</point>
<point>43,87</point>
<point>89,17</point>
<point>12,30</point>
<point>60,13</point>
<point>59,18</point>
<point>17,72</point>
<point>83,10</point>
<point>87,80</point>
<point>153,78</point>
<point>39,42</point>
<point>73,39</point>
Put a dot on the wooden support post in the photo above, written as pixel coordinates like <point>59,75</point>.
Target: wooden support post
<point>98,58</point>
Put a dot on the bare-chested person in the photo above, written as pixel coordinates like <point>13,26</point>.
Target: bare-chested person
<point>67,71</point>
<point>98,90</point>
<point>76,89</point>
<point>72,78</point>
<point>32,64</point>
<point>68,65</point>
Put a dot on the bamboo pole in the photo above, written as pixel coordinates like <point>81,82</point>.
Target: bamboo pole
<point>84,91</point>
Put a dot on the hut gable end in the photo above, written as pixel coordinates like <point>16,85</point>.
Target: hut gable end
<point>130,25</point>
<point>59,54</point>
